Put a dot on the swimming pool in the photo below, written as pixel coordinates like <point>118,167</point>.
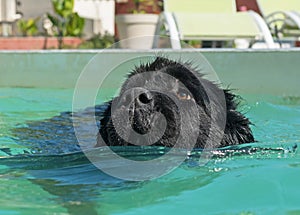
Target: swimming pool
<point>240,181</point>
<point>257,183</point>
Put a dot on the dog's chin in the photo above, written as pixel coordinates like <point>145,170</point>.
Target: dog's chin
<point>142,122</point>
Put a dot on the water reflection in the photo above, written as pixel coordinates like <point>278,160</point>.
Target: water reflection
<point>80,187</point>
<point>56,135</point>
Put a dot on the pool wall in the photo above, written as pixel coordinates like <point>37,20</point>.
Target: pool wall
<point>275,72</point>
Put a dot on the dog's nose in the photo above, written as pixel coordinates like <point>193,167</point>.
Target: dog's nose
<point>145,98</point>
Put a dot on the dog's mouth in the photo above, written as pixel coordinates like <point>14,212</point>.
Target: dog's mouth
<point>143,121</point>
<point>143,113</point>
<point>151,110</point>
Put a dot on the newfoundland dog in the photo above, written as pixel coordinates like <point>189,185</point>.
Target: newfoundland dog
<point>169,103</point>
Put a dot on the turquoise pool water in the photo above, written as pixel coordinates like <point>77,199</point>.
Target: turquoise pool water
<point>240,181</point>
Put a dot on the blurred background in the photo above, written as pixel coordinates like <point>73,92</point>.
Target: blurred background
<point>89,24</point>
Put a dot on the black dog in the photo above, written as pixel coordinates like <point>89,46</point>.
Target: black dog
<point>167,103</point>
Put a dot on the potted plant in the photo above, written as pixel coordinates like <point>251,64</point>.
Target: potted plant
<point>28,27</point>
<point>139,24</point>
<point>65,22</point>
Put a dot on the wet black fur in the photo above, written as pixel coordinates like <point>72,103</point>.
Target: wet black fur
<point>236,125</point>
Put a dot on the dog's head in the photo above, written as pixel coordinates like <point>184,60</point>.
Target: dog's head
<point>166,103</point>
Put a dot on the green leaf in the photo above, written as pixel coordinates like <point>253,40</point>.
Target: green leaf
<point>53,20</point>
<point>75,25</point>
<point>66,21</point>
<point>28,27</point>
<point>63,7</point>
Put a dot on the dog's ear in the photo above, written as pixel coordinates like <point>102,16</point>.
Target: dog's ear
<point>237,129</point>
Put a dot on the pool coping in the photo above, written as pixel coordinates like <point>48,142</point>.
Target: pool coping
<point>253,71</point>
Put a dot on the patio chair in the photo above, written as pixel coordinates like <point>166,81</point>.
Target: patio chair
<point>210,20</point>
<point>281,16</point>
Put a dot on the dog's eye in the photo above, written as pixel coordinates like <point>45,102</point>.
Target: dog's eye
<point>183,95</point>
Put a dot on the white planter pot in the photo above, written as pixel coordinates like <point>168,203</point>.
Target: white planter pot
<point>136,31</point>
